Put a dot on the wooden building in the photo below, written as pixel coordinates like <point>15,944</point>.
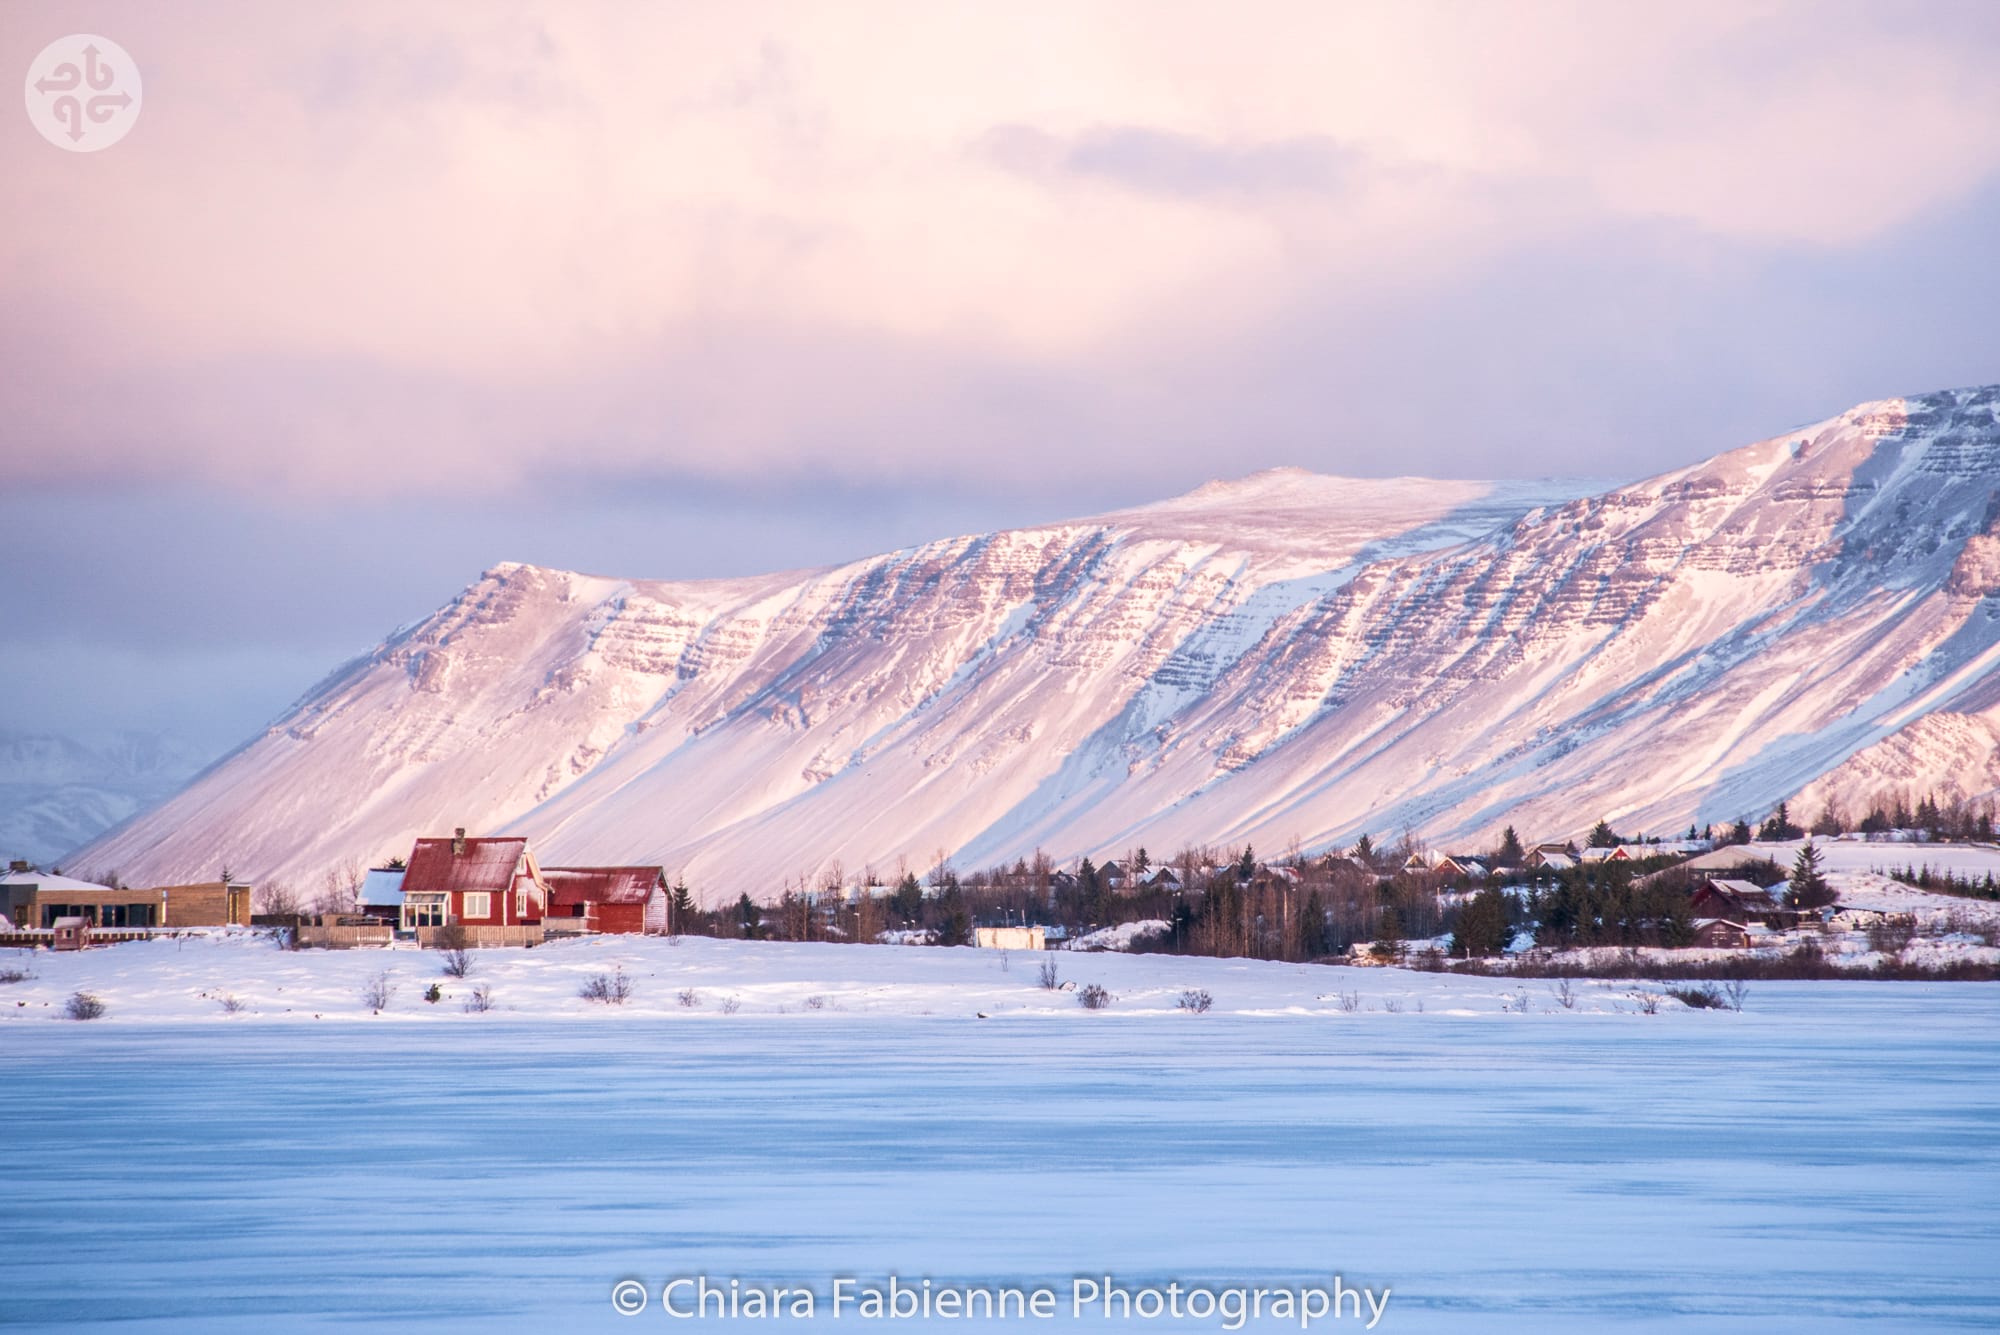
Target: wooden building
<point>206,904</point>
<point>607,899</point>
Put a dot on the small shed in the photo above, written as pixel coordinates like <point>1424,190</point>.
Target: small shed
<point>1720,934</point>
<point>1009,938</point>
<point>72,933</point>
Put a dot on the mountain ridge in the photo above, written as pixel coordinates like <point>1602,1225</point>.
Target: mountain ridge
<point>1285,655</point>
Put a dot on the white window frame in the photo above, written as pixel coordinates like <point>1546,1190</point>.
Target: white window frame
<point>476,904</point>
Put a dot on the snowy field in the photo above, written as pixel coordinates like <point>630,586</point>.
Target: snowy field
<point>1827,1160</point>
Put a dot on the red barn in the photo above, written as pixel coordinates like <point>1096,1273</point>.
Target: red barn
<point>608,899</point>
<point>472,883</point>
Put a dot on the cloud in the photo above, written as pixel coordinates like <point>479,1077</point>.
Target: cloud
<point>924,247</point>
<point>1161,162</point>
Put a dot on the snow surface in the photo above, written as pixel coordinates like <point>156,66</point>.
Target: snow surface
<point>1827,1160</point>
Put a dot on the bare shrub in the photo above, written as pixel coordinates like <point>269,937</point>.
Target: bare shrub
<point>454,942</point>
<point>730,1005</point>
<point>1699,996</point>
<point>1393,1005</point>
<point>1734,991</point>
<point>1649,1002</point>
<point>231,1005</point>
<point>1518,1003</point>
<point>1092,997</point>
<point>1891,935</point>
<point>376,992</point>
<point>434,993</point>
<point>1349,1002</point>
<point>84,1006</point>
<point>480,1001</point>
<point>815,1002</point>
<point>1050,976</point>
<point>613,989</point>
<point>688,997</point>
<point>1196,1000</point>
<point>1565,992</point>
<point>14,975</point>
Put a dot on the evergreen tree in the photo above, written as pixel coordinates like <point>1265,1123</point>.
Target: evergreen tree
<point>1780,826</point>
<point>1509,854</point>
<point>908,900</point>
<point>1246,866</point>
<point>1809,889</point>
<point>1315,934</point>
<point>1482,926</point>
<point>1602,835</point>
<point>1739,833</point>
<point>1388,935</point>
<point>682,905</point>
<point>747,915</point>
<point>1141,863</point>
<point>1364,849</point>
<point>951,922</point>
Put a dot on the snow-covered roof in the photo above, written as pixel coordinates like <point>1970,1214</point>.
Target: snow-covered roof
<point>383,885</point>
<point>485,864</point>
<point>601,885</point>
<point>1741,889</point>
<point>45,881</point>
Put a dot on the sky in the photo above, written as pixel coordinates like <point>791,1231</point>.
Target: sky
<point>374,296</point>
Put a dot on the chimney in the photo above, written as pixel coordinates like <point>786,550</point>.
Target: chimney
<point>17,865</point>
<point>458,842</point>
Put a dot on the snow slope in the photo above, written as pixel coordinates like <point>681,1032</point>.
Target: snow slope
<point>1284,657</point>
<point>58,792</point>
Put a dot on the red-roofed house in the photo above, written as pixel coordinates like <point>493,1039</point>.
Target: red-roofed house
<point>607,899</point>
<point>472,883</point>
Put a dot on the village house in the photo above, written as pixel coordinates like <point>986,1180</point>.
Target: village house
<point>1468,865</point>
<point>1604,853</point>
<point>36,899</point>
<point>1546,859</point>
<point>461,882</point>
<point>607,899</point>
<point>1741,902</point>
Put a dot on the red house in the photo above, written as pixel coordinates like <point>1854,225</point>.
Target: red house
<point>607,899</point>
<point>472,883</point>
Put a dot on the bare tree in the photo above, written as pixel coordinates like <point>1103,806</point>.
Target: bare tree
<point>277,897</point>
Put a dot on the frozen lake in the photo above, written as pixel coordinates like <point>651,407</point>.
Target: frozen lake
<point>1828,1160</point>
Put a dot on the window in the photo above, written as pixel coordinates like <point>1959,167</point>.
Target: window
<point>478,904</point>
<point>424,911</point>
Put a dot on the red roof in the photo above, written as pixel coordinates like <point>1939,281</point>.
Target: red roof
<point>486,864</point>
<point>601,885</point>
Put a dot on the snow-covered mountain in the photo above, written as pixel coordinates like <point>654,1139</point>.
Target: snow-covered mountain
<point>1288,657</point>
<point>56,792</point>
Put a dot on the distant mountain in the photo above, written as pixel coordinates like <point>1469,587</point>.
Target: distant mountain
<point>1285,658</point>
<point>57,793</point>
